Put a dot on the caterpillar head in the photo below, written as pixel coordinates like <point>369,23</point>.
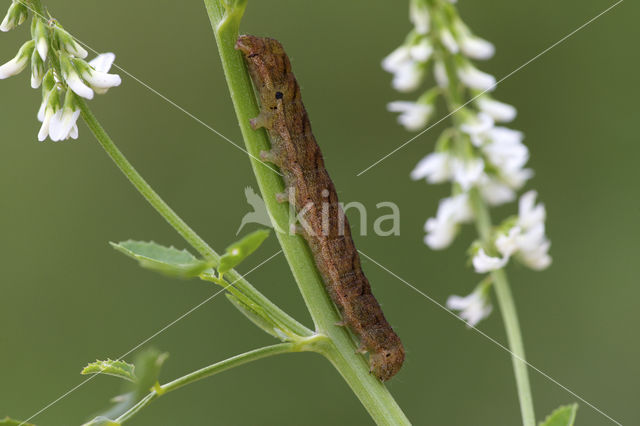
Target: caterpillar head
<point>270,70</point>
<point>386,362</point>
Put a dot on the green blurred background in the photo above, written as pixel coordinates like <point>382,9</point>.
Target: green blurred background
<point>67,298</point>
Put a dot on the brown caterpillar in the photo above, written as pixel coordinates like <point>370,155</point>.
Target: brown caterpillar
<point>295,151</point>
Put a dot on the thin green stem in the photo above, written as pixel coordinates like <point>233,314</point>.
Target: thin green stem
<point>509,317</point>
<point>341,350</point>
<point>178,224</point>
<point>143,187</point>
<point>209,371</point>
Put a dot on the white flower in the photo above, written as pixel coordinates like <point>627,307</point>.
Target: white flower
<point>476,47</point>
<point>476,79</point>
<point>408,77</point>
<point>15,16</point>
<point>505,149</point>
<point>435,168</point>
<point>421,51</point>
<point>440,74</point>
<point>530,214</point>
<point>442,229</point>
<point>476,126</point>
<point>394,60</point>
<point>484,263</point>
<point>494,191</point>
<point>516,178</point>
<point>507,244</point>
<point>98,78</point>
<point>407,73</point>
<point>419,15</point>
<point>527,239</point>
<point>19,62</point>
<point>467,172</point>
<point>499,111</point>
<point>63,124</point>
<point>473,308</point>
<point>449,41</point>
<point>414,115</point>
<point>49,108</point>
<point>76,84</point>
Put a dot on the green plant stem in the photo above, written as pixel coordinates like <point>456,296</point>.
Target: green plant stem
<point>178,224</point>
<point>509,316</point>
<point>208,371</point>
<point>341,350</point>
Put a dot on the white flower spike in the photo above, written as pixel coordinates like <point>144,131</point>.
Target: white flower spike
<point>19,62</point>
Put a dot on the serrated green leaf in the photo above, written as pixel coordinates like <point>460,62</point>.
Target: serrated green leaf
<point>256,315</point>
<point>240,250</point>
<point>562,416</point>
<point>113,368</point>
<point>147,368</point>
<point>166,260</point>
<point>10,422</point>
<point>102,421</point>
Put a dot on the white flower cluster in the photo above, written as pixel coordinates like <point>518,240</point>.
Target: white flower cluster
<point>57,63</point>
<point>478,155</point>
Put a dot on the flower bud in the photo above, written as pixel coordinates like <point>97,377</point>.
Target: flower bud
<point>37,69</point>
<point>67,43</point>
<point>19,62</point>
<point>40,34</point>
<point>15,16</point>
<point>72,78</point>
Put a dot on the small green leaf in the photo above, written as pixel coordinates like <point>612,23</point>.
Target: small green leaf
<point>167,260</point>
<point>240,250</point>
<point>10,422</point>
<point>102,421</point>
<point>113,368</point>
<point>562,416</point>
<point>147,370</point>
<point>256,315</point>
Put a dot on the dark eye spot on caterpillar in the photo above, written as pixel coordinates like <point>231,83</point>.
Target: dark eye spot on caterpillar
<point>295,151</point>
